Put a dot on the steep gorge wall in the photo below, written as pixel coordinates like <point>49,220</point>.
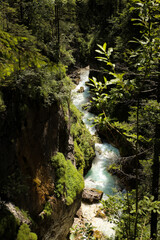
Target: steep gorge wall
<point>39,139</point>
<point>27,142</point>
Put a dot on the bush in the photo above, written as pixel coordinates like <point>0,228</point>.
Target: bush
<point>25,233</point>
<point>48,209</point>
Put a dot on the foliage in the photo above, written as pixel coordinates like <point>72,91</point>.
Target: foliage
<point>24,233</point>
<point>18,52</point>
<point>41,40</point>
<point>120,33</point>
<point>48,209</point>
<point>86,231</point>
<point>83,232</point>
<point>69,182</point>
<point>8,224</point>
<point>121,210</point>
<point>138,89</point>
<point>148,113</point>
<point>113,89</point>
<point>28,48</point>
<point>13,185</point>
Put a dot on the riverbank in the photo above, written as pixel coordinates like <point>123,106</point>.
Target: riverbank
<point>91,216</point>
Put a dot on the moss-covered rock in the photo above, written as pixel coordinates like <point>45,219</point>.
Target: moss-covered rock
<point>83,141</point>
<point>69,182</point>
<point>79,157</point>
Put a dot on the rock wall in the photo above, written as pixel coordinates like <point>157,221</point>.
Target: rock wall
<point>40,137</point>
<point>57,226</point>
<point>27,142</point>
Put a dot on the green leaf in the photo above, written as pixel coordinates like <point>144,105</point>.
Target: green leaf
<point>99,51</point>
<point>101,47</point>
<point>110,50</point>
<point>105,46</point>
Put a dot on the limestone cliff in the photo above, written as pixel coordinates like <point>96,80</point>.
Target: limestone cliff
<point>28,140</point>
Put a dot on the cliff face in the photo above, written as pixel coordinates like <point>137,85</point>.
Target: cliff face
<point>38,140</point>
<point>57,226</point>
<point>26,177</point>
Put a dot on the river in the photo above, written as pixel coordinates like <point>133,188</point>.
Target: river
<point>97,177</point>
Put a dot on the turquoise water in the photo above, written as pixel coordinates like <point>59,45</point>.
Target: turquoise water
<point>97,177</point>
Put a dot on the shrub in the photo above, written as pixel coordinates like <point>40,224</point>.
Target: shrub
<point>48,209</point>
<point>25,233</point>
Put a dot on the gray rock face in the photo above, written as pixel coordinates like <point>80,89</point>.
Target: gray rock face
<point>70,154</point>
<point>91,195</point>
<point>17,213</point>
<point>58,224</point>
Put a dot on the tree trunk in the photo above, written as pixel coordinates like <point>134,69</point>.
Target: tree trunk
<point>156,171</point>
<point>137,162</point>
<point>155,181</point>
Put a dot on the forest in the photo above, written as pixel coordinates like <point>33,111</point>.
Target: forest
<point>45,149</point>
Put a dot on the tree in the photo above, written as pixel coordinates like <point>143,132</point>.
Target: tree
<point>148,56</point>
<point>145,63</point>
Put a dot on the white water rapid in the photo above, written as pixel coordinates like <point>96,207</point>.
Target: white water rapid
<point>97,177</point>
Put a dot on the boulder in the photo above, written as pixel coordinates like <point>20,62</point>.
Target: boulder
<point>81,90</point>
<point>91,195</point>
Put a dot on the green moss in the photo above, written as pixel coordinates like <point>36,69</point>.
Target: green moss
<point>60,164</point>
<point>83,141</point>
<point>75,113</point>
<point>74,183</point>
<point>25,233</point>
<point>87,147</point>
<point>79,157</point>
<point>69,182</point>
<point>24,213</point>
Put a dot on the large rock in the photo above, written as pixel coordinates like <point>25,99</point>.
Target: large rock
<point>57,226</point>
<point>81,90</point>
<point>91,195</point>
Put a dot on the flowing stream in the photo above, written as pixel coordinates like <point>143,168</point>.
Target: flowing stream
<point>97,177</point>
